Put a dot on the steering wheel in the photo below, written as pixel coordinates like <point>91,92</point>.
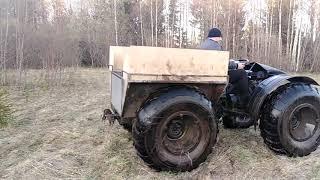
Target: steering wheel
<point>244,61</point>
<point>250,72</point>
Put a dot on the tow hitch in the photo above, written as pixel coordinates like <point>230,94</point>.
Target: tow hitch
<point>109,115</point>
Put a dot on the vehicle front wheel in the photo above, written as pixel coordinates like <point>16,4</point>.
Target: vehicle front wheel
<point>290,123</point>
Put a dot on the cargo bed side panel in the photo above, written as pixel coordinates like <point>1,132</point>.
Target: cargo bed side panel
<point>117,86</point>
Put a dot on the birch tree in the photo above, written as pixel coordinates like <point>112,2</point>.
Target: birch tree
<point>289,22</point>
<point>115,21</point>
<point>141,22</point>
<point>280,32</point>
<point>4,48</point>
<point>151,17</point>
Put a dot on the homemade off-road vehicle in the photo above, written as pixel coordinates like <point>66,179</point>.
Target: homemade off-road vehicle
<point>172,100</point>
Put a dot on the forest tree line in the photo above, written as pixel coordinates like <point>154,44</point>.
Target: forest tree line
<point>52,34</point>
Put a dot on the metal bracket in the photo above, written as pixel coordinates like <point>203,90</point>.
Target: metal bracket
<point>107,114</point>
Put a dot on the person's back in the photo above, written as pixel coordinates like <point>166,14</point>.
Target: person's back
<point>210,44</point>
<point>237,75</point>
<point>213,42</point>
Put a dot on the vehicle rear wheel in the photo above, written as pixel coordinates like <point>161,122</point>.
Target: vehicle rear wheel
<point>175,131</point>
<point>290,123</point>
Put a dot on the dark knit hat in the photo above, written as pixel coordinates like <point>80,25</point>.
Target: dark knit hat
<point>215,32</point>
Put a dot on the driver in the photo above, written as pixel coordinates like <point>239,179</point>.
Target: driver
<point>237,75</point>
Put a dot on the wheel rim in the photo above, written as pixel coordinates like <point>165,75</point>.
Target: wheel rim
<point>304,122</point>
<point>182,133</point>
<point>182,137</point>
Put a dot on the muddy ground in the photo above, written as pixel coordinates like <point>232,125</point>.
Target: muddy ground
<point>57,132</point>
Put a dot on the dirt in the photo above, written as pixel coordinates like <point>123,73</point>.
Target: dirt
<point>57,133</point>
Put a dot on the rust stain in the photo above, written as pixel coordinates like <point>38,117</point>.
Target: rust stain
<point>169,67</point>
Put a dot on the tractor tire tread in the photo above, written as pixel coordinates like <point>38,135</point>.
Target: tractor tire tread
<point>141,128</point>
<point>269,124</point>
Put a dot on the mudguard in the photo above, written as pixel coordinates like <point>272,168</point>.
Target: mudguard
<point>267,87</point>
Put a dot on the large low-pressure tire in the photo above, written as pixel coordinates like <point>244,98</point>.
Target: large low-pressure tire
<point>290,123</point>
<point>175,131</point>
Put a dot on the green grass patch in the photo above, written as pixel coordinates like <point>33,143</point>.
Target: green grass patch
<point>5,109</point>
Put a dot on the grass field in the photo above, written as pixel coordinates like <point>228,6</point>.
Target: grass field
<point>57,132</point>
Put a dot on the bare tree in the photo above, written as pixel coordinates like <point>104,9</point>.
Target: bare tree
<point>156,23</point>
<point>266,34</point>
<point>270,28</point>
<point>289,28</point>
<point>151,17</point>
<point>3,54</point>
<point>115,21</point>
<point>1,51</point>
<point>141,22</point>
<point>291,47</point>
<point>280,33</point>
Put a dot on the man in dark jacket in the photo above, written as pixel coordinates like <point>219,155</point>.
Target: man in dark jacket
<point>237,75</point>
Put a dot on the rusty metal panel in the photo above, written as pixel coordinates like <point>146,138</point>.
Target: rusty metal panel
<point>156,64</point>
<point>138,93</point>
<point>175,62</point>
<point>145,78</point>
<point>116,57</point>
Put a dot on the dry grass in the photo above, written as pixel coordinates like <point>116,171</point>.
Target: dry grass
<point>5,109</point>
<point>58,133</point>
